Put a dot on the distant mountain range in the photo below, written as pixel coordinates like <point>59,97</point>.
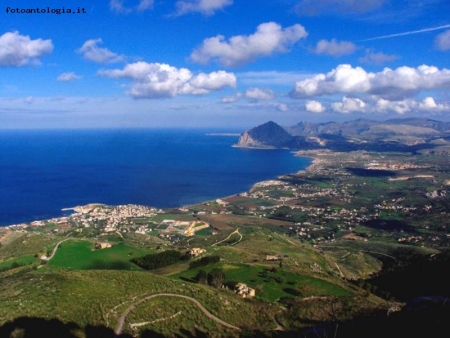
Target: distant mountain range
<point>409,134</point>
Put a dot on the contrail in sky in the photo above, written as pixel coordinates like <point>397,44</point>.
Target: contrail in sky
<point>407,33</point>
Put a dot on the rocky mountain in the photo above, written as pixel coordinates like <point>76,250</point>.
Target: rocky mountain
<point>362,134</point>
<point>267,135</point>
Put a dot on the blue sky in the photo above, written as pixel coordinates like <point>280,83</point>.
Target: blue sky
<point>221,63</point>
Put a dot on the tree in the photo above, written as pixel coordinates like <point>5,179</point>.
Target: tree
<point>159,260</point>
<point>202,277</point>
<point>216,277</point>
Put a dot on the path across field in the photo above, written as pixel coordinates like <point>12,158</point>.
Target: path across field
<point>121,321</point>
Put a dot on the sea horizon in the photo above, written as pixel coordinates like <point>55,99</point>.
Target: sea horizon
<point>46,170</point>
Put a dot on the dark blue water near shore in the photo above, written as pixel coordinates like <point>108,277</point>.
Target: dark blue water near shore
<point>42,172</point>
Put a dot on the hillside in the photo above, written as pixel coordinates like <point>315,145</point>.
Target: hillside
<point>328,248</point>
<point>362,134</point>
<point>267,135</point>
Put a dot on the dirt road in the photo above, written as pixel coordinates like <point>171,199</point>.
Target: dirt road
<point>121,321</point>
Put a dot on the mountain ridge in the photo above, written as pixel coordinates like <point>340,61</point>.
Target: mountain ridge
<point>409,134</point>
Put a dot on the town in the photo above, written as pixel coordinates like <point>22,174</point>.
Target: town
<point>355,195</point>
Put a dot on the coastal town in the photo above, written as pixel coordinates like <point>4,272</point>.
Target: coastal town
<point>306,240</point>
<point>329,201</point>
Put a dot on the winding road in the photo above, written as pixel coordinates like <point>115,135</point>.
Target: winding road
<point>55,248</point>
<point>121,321</point>
<point>231,234</point>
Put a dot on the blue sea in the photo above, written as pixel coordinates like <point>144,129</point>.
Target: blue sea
<point>43,171</point>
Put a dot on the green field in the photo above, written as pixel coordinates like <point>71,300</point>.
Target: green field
<point>80,255</point>
<point>270,284</point>
<point>203,232</point>
<point>19,261</point>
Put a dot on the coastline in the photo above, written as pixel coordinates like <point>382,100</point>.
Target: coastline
<point>79,208</point>
<point>260,148</point>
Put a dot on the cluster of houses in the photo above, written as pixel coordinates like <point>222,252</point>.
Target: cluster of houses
<point>111,218</point>
<point>194,252</point>
<point>244,291</point>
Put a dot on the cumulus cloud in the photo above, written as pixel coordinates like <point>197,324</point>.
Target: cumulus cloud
<point>268,39</point>
<point>373,58</point>
<point>213,81</point>
<point>349,105</point>
<point>156,80</point>
<point>19,50</point>
<point>92,52</point>
<point>427,105</point>
<point>393,84</point>
<point>205,7</point>
<point>314,107</point>
<point>119,6</point>
<point>317,7</point>
<point>335,48</point>
<point>68,77</point>
<point>231,98</point>
<point>259,94</point>
<point>442,41</point>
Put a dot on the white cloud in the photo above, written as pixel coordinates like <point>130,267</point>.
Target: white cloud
<point>373,58</point>
<point>430,104</point>
<point>231,98</point>
<point>268,39</point>
<point>259,94</point>
<point>442,41</point>
<point>399,83</point>
<point>119,7</point>
<point>314,107</point>
<point>335,48</point>
<point>213,81</point>
<point>67,77</point>
<point>206,7</point>
<point>399,107</point>
<point>19,50</point>
<point>427,105</point>
<point>92,52</point>
<point>349,105</point>
<point>317,7</point>
<point>282,107</point>
<point>29,100</point>
<point>155,80</point>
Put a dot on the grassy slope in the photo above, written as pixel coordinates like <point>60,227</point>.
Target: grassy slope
<point>89,297</point>
<point>80,255</point>
<point>271,286</point>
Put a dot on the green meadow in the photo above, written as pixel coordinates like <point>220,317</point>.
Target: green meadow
<point>81,255</point>
<point>271,284</point>
<point>19,261</point>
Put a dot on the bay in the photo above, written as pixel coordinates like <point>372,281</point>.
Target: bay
<point>43,171</point>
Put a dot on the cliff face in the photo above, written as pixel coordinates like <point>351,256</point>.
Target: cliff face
<point>267,135</point>
<point>246,141</point>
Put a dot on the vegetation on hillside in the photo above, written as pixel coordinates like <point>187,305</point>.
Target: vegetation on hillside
<point>159,260</point>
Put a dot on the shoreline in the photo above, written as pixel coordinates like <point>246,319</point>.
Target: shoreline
<point>260,148</point>
<point>78,208</point>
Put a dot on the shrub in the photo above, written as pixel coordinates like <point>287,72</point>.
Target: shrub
<point>159,260</point>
